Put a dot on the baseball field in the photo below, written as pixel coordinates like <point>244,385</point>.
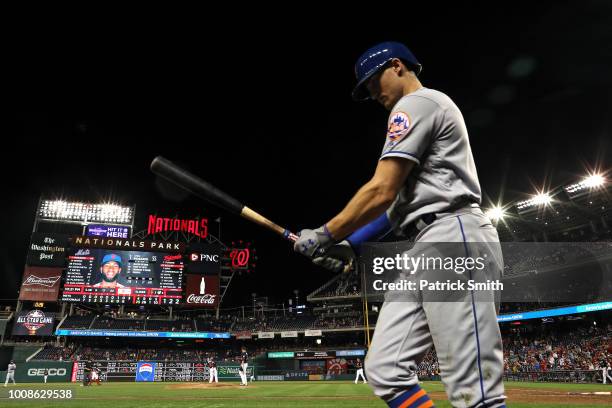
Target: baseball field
<point>288,394</point>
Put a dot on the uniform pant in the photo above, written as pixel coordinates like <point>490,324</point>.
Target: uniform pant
<point>213,375</point>
<point>465,333</point>
<point>605,373</point>
<point>360,374</point>
<point>45,379</point>
<point>9,376</point>
<point>243,373</point>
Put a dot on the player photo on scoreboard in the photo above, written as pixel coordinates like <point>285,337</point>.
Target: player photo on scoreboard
<point>100,275</point>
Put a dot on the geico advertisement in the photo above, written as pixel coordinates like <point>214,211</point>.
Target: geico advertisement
<point>33,372</point>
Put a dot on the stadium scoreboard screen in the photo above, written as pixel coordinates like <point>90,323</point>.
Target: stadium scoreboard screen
<point>124,277</point>
<point>109,370</point>
<point>176,371</point>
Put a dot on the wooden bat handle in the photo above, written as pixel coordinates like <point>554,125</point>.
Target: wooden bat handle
<point>263,221</point>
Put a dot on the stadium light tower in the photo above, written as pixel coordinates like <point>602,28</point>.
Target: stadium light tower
<point>587,185</point>
<point>59,210</point>
<point>74,212</point>
<point>496,213</point>
<point>541,199</point>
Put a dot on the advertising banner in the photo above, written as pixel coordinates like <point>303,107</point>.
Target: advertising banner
<point>204,258</point>
<point>47,249</point>
<point>202,291</point>
<point>243,335</point>
<point>34,323</point>
<point>108,231</point>
<point>145,371</point>
<point>33,372</point>
<point>40,284</point>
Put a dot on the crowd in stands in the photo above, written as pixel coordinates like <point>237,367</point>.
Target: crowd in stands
<point>580,349</point>
<point>529,256</point>
<point>182,325</point>
<point>346,284</point>
<point>429,367</point>
<point>78,321</point>
<point>83,353</point>
<point>141,323</point>
<point>275,323</point>
<point>118,324</point>
<point>213,324</point>
<point>339,320</point>
<point>56,353</point>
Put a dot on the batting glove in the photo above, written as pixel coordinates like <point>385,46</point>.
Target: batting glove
<point>338,258</point>
<point>312,242</point>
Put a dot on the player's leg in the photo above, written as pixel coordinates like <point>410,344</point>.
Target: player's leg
<point>45,378</point>
<point>400,342</point>
<point>466,332</point>
<point>363,376</point>
<point>13,379</point>
<point>242,374</point>
<point>356,376</point>
<point>246,379</point>
<point>210,375</point>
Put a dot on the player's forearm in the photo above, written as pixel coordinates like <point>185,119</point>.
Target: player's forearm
<point>369,203</point>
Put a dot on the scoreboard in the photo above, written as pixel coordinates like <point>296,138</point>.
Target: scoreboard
<point>109,370</point>
<point>178,371</point>
<point>136,277</point>
<point>181,371</point>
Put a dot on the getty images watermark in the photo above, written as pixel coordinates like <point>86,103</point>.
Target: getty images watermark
<point>485,271</point>
<point>419,265</point>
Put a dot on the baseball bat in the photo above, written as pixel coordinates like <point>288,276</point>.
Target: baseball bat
<point>194,184</point>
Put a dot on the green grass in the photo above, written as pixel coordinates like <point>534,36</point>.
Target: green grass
<point>318,394</point>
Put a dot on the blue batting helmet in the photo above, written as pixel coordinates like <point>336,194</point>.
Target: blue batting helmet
<point>375,58</point>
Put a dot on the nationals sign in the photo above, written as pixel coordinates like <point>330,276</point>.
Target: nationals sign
<point>202,291</point>
<point>198,227</point>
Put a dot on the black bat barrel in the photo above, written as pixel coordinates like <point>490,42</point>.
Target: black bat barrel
<point>192,183</point>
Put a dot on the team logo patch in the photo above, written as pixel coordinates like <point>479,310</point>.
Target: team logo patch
<point>399,125</point>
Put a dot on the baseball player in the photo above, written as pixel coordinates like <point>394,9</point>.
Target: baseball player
<point>605,370</point>
<point>95,375</point>
<point>425,188</point>
<point>359,367</point>
<point>212,371</point>
<point>45,375</point>
<point>10,373</point>
<point>244,364</point>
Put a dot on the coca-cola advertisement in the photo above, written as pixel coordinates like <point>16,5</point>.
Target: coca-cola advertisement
<point>202,291</point>
<point>40,284</point>
<point>34,323</point>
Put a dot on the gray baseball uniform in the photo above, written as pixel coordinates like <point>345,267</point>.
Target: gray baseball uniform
<point>428,128</point>
<point>10,373</point>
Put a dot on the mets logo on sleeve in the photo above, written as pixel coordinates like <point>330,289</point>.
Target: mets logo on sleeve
<point>399,125</point>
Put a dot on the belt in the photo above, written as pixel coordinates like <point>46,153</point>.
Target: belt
<point>425,220</point>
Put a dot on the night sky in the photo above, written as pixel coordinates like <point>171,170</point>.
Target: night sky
<point>261,108</point>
